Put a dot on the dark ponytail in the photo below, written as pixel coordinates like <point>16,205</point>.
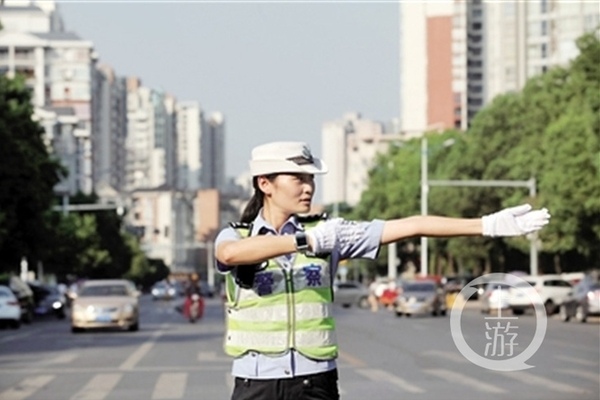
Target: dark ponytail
<point>256,201</point>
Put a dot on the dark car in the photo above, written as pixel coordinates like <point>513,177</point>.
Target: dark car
<point>350,293</point>
<point>421,297</point>
<point>582,302</point>
<point>23,294</point>
<point>48,300</point>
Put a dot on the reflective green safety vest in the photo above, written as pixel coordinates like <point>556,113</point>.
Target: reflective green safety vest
<point>283,310</point>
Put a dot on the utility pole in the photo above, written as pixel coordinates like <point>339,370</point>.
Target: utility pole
<point>530,184</point>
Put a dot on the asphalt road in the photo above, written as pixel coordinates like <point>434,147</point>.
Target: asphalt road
<point>382,357</point>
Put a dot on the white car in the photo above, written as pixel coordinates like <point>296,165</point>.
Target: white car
<point>552,291</point>
<point>495,297</point>
<point>106,303</point>
<point>10,309</point>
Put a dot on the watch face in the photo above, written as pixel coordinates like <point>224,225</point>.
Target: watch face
<point>301,241</point>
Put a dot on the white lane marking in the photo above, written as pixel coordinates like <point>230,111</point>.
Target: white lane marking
<point>590,375</point>
<point>26,387</point>
<point>136,356</point>
<point>577,361</point>
<point>454,377</point>
<point>350,359</point>
<point>383,376</point>
<point>212,356</point>
<point>98,387</point>
<point>62,359</point>
<point>170,386</point>
<point>531,379</point>
<point>447,355</point>
<point>229,381</point>
<point>141,351</point>
<point>207,356</point>
<point>17,336</point>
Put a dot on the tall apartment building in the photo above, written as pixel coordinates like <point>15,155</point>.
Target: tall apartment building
<point>427,99</point>
<point>170,141</point>
<point>57,66</point>
<point>31,16</point>
<point>524,39</point>
<point>150,133</point>
<point>212,149</point>
<point>349,147</point>
<point>456,55</point>
<point>109,123</point>
<point>189,128</point>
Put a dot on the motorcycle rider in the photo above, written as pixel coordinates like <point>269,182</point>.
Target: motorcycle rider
<point>193,293</point>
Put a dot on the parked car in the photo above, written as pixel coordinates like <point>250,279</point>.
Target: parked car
<point>24,295</point>
<point>495,297</point>
<point>552,291</point>
<point>421,297</point>
<point>350,293</point>
<point>109,303</point>
<point>457,283</point>
<point>48,300</point>
<point>584,301</point>
<point>10,309</point>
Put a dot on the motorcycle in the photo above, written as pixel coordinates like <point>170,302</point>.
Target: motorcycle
<point>194,307</point>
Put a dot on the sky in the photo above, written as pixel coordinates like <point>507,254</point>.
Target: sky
<point>276,70</point>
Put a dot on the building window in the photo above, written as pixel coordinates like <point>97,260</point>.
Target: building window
<point>544,50</point>
<point>544,6</point>
<point>544,31</point>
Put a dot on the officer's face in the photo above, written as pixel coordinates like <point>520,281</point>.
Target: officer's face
<point>292,193</point>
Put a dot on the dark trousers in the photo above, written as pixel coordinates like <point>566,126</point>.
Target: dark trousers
<point>322,386</point>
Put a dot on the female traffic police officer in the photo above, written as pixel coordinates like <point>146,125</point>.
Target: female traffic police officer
<point>279,268</point>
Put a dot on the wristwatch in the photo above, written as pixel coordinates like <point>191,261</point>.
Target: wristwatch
<point>301,242</point>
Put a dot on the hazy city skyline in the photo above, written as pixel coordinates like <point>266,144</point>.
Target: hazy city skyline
<point>277,71</point>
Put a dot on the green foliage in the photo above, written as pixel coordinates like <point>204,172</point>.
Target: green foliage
<point>27,177</point>
<point>145,272</point>
<point>88,244</point>
<point>550,131</point>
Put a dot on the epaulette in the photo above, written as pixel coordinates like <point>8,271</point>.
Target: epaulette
<point>240,225</point>
<point>307,219</point>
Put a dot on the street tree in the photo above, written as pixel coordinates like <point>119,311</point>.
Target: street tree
<point>28,174</point>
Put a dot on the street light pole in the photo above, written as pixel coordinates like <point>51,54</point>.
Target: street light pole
<point>530,184</point>
<point>424,192</point>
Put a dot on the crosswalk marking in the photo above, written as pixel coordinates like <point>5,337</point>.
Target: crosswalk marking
<point>137,355</point>
<point>26,387</point>
<point>577,361</point>
<point>589,375</point>
<point>350,359</point>
<point>170,386</point>
<point>207,356</point>
<point>383,376</point>
<point>62,359</point>
<point>98,387</point>
<point>447,355</point>
<point>229,381</point>
<point>531,379</point>
<point>454,377</point>
<point>212,356</point>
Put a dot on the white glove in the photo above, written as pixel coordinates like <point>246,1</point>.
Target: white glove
<point>514,221</point>
<point>322,238</point>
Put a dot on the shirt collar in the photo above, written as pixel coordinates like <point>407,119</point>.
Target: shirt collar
<point>261,226</point>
